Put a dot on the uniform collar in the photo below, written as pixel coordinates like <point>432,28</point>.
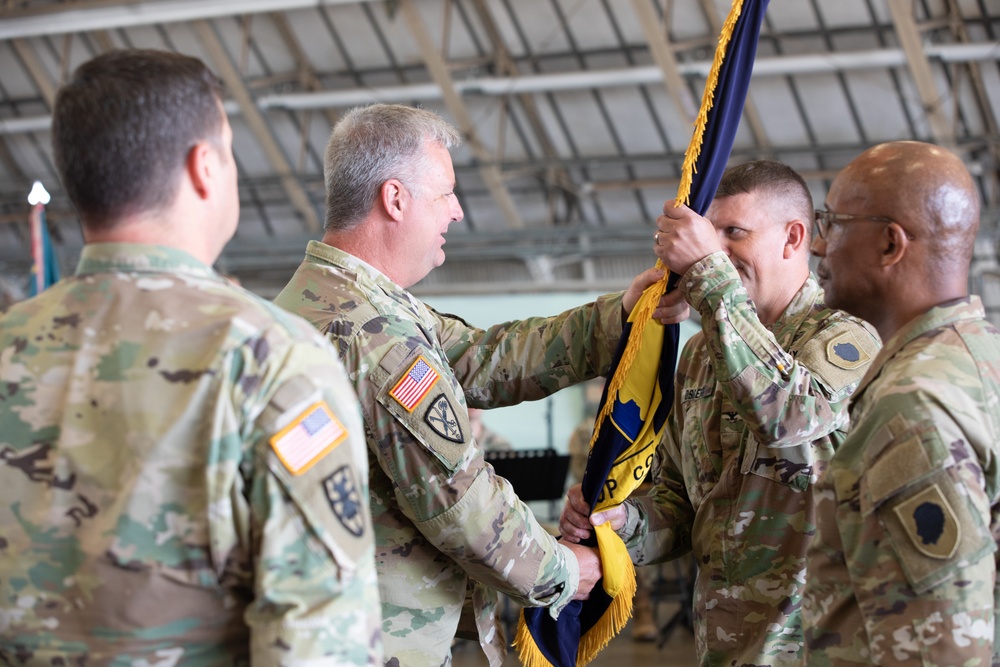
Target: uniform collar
<point>366,276</point>
<point>795,314</point>
<point>140,258</point>
<point>362,271</point>
<point>940,316</point>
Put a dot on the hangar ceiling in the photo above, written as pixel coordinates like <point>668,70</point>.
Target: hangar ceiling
<point>575,113</point>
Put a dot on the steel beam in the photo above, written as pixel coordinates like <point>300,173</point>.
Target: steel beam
<point>257,123</point>
<point>438,69</point>
<point>920,69</point>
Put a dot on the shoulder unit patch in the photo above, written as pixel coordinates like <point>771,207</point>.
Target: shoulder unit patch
<point>846,351</point>
<point>930,523</point>
<point>442,419</point>
<point>345,501</point>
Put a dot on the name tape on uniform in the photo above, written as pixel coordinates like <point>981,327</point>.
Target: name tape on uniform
<point>310,437</point>
<point>414,384</point>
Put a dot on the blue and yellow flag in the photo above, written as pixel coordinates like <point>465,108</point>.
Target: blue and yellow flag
<point>44,267</point>
<point>639,393</point>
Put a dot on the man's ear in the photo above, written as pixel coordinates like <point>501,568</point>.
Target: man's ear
<point>796,233</point>
<point>893,244</point>
<point>201,168</point>
<point>393,196</point>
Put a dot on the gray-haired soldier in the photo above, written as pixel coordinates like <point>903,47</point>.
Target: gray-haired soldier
<point>183,477</point>
<point>441,515</point>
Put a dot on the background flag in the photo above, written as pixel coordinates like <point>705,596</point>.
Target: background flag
<point>639,392</point>
<point>45,265</point>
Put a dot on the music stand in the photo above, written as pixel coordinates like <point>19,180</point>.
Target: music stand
<point>535,474</point>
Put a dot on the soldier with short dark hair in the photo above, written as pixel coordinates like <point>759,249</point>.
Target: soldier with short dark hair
<point>760,405</point>
<point>183,476</point>
<point>903,569</point>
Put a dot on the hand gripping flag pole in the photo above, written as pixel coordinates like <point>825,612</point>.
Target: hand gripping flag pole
<point>638,396</point>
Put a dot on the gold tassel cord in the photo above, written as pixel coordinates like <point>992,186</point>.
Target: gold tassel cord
<point>527,651</point>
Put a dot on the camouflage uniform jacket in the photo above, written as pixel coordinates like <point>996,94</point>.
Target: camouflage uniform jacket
<point>441,515</point>
<point>147,515</point>
<point>903,569</point>
<point>757,413</point>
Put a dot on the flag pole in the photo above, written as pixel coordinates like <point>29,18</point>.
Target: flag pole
<point>38,198</point>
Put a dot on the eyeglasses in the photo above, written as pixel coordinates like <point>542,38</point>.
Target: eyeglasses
<point>824,219</point>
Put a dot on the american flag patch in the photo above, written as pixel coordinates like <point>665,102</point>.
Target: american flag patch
<point>409,391</point>
<point>308,438</point>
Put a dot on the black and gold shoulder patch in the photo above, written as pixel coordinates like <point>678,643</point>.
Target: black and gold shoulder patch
<point>345,500</point>
<point>930,523</point>
<point>441,417</point>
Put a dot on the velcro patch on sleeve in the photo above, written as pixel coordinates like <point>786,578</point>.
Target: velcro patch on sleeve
<point>308,438</point>
<point>905,461</point>
<point>935,530</point>
<point>839,354</point>
<point>415,384</point>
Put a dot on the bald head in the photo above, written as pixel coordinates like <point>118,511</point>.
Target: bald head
<point>925,188</point>
<point>902,223</point>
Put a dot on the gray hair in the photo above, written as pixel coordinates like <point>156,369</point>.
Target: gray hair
<point>371,145</point>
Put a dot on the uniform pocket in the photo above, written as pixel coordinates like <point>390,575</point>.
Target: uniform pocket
<point>796,466</point>
<point>925,506</point>
<point>320,501</point>
<point>934,530</point>
<point>420,397</point>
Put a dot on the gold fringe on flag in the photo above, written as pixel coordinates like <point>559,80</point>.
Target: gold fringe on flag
<point>619,573</point>
<point>592,643</point>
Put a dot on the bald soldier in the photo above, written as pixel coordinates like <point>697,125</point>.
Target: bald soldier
<point>903,569</point>
<point>182,464</point>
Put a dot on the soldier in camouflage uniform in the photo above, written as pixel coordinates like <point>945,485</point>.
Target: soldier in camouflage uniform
<point>441,515</point>
<point>903,569</point>
<point>760,405</point>
<point>183,476</point>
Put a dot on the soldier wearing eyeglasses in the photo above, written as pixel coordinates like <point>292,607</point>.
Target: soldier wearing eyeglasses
<point>903,569</point>
<point>760,405</point>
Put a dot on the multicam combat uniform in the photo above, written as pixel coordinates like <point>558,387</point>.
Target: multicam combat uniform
<point>441,515</point>
<point>903,569</point>
<point>757,413</point>
<point>162,499</point>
